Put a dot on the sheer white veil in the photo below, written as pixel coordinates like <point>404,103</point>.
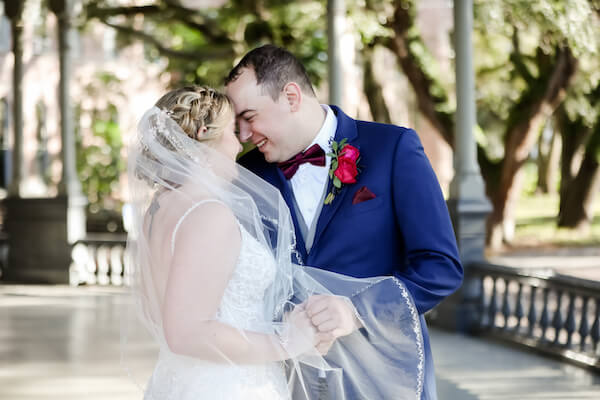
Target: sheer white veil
<point>169,170</point>
<point>165,159</point>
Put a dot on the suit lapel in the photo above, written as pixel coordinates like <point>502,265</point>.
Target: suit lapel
<point>346,128</point>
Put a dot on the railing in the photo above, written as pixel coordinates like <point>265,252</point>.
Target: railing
<point>549,312</point>
<point>100,259</point>
<point>543,310</point>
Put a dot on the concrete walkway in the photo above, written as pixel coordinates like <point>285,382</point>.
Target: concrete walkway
<point>59,342</point>
<point>469,368</point>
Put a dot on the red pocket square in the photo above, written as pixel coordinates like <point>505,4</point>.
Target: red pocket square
<point>363,194</point>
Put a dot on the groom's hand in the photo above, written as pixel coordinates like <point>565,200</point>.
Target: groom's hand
<point>332,316</point>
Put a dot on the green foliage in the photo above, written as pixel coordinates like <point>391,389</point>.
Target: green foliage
<point>201,45</point>
<point>515,42</point>
<point>545,23</point>
<point>515,45</point>
<point>98,144</point>
<point>583,97</point>
<point>369,20</point>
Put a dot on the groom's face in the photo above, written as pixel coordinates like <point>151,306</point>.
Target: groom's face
<point>261,120</point>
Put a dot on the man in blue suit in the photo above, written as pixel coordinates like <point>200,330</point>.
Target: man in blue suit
<point>387,217</point>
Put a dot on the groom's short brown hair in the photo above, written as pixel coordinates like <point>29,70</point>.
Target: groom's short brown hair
<point>274,67</point>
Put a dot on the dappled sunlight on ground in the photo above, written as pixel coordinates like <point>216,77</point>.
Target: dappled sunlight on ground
<point>540,244</point>
<point>536,217</point>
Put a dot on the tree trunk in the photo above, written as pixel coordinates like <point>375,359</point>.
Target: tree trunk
<point>536,104</point>
<point>373,90</point>
<point>548,160</point>
<point>69,183</point>
<point>431,96</point>
<point>524,124</point>
<point>573,134</point>
<point>576,205</point>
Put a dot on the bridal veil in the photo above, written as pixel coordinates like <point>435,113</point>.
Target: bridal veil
<point>382,360</point>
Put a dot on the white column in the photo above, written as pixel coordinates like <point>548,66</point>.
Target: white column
<point>467,204</point>
<point>467,182</point>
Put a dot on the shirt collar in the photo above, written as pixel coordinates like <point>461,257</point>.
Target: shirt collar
<point>327,131</point>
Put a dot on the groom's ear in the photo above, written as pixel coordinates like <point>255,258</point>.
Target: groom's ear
<point>293,95</point>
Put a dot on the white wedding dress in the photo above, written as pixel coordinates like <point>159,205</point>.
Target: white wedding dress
<point>184,378</point>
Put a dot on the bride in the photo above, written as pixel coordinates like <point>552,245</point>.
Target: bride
<point>214,283</point>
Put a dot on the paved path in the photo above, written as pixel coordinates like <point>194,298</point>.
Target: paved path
<point>62,343</point>
<point>469,369</point>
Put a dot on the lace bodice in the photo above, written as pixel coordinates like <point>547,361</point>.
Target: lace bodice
<point>241,306</point>
<point>242,301</point>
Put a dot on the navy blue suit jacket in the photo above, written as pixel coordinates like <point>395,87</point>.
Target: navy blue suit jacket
<point>405,231</point>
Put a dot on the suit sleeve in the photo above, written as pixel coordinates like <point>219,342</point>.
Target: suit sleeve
<point>432,269</point>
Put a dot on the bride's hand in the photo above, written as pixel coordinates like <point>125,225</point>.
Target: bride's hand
<point>300,334</point>
<point>325,341</point>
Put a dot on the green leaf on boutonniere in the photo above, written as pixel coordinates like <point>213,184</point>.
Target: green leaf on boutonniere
<point>329,198</point>
<point>334,164</point>
<point>337,183</point>
<point>343,142</point>
<point>334,146</point>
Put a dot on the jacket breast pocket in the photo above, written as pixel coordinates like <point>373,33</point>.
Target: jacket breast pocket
<point>365,206</point>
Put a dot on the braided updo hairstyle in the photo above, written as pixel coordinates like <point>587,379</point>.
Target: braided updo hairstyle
<point>197,107</point>
<point>201,112</point>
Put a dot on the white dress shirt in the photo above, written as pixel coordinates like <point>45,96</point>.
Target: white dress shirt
<point>308,183</point>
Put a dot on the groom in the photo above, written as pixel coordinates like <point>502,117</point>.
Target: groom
<point>379,213</point>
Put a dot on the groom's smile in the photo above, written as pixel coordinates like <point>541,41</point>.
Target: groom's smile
<point>261,145</point>
<point>261,120</point>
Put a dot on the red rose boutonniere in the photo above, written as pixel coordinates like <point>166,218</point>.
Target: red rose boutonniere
<point>343,170</point>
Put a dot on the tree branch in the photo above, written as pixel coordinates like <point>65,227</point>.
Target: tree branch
<point>208,54</point>
<point>205,26</point>
<point>373,89</point>
<point>93,11</point>
<point>517,58</point>
<point>525,119</point>
<point>169,11</point>
<point>423,84</point>
<point>542,97</point>
<point>596,6</point>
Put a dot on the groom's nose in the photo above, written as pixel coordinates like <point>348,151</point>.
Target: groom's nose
<point>245,133</point>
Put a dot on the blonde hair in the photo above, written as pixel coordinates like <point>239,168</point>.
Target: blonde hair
<point>201,112</point>
<point>195,108</point>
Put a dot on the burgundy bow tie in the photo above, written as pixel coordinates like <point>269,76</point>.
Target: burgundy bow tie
<point>314,155</point>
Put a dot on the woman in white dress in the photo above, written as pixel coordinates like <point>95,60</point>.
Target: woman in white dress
<point>203,275</point>
<point>213,281</point>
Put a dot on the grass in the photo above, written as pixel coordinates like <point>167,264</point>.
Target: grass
<point>536,224</point>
